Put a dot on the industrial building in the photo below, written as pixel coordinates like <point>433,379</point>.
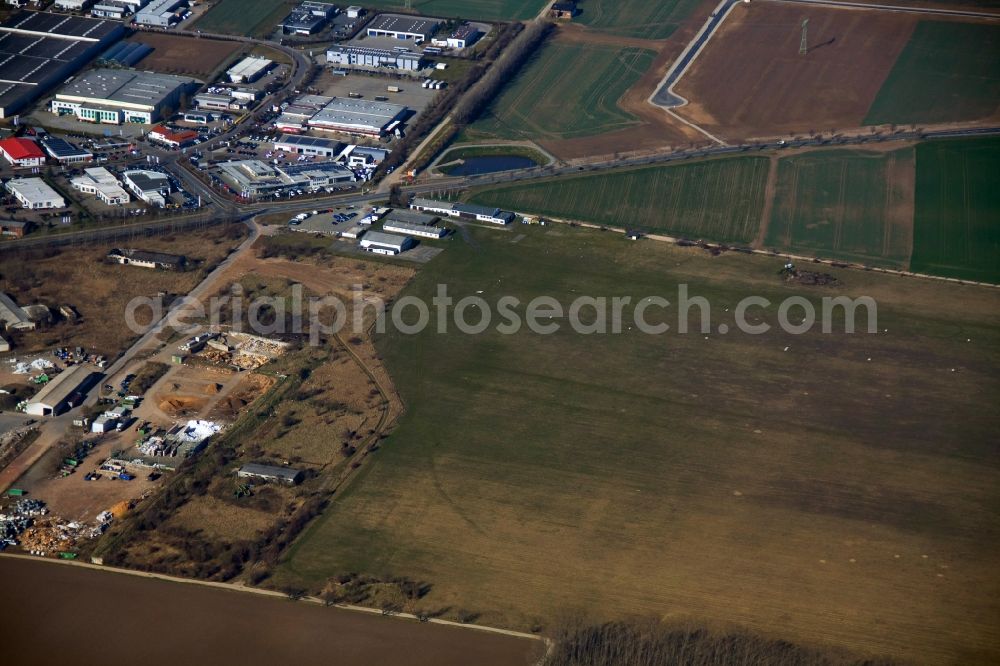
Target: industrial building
<point>116,9</point>
<point>355,116</point>
<point>101,183</point>
<point>307,18</point>
<point>73,5</point>
<point>366,156</point>
<point>270,473</point>
<point>160,13</point>
<point>249,69</point>
<point>469,211</point>
<point>39,50</point>
<point>253,178</point>
<point>55,397</point>
<point>309,145</point>
<point>145,259</point>
<point>152,187</point>
<point>213,102</point>
<point>63,151</point>
<point>379,243</point>
<point>409,228</point>
<point>409,217</point>
<point>35,194</point>
<point>119,96</point>
<point>411,28</point>
<point>364,56</point>
<point>22,152</point>
<point>464,36</point>
<point>125,54</point>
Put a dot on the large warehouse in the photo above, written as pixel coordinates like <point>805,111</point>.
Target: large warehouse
<point>309,145</point>
<point>57,395</point>
<point>39,50</point>
<point>410,28</point>
<point>161,13</point>
<point>119,96</point>
<point>249,69</point>
<point>364,56</point>
<point>356,116</point>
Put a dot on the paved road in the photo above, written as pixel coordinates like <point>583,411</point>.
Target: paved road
<point>967,13</point>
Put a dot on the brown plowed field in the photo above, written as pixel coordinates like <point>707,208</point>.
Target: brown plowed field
<point>751,81</point>
<point>176,54</point>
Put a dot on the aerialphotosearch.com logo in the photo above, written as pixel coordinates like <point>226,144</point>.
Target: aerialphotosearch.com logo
<point>317,317</point>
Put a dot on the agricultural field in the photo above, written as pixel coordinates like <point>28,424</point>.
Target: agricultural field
<point>957,207</point>
<point>533,475</point>
<point>845,204</point>
<point>948,72</point>
<point>776,90</point>
<point>243,17</point>
<point>486,10</point>
<point>718,200</point>
<point>176,54</point>
<point>568,90</point>
<point>636,18</point>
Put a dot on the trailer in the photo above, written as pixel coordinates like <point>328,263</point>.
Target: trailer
<point>394,89</point>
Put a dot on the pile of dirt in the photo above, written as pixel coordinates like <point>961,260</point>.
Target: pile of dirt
<point>212,389</point>
<point>180,405</point>
<point>811,278</point>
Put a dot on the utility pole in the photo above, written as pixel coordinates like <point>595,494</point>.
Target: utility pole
<point>804,43</point>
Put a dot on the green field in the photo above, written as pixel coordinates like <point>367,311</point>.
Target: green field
<point>845,204</point>
<point>243,17</point>
<point>947,72</point>
<point>957,223</point>
<point>718,200</point>
<point>486,10</point>
<point>825,488</point>
<point>566,91</point>
<point>636,18</point>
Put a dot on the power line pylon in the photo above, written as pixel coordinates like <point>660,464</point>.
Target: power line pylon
<point>804,43</point>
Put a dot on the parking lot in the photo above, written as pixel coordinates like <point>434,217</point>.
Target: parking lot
<point>369,87</point>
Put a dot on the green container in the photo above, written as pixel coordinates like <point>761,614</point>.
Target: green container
<point>67,556</point>
<point>15,492</point>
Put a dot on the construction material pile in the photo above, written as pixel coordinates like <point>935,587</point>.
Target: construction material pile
<point>17,518</point>
<point>27,368</point>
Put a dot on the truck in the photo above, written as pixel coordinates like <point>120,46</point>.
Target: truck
<point>354,95</point>
<point>394,89</point>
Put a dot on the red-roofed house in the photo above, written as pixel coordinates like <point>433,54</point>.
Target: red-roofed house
<point>171,138</point>
<point>22,152</point>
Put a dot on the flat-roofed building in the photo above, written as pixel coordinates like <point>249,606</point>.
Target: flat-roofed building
<point>464,36</point>
<point>458,209</point>
<point>73,5</point>
<point>218,102</point>
<point>270,473</point>
<point>307,18</point>
<point>411,229</point>
<point>377,242</point>
<point>101,183</point>
<point>367,156</point>
<point>160,13</point>
<point>249,69</point>
<point>117,96</point>
<point>366,56</point>
<point>152,187</point>
<point>254,178</point>
<point>309,145</point>
<point>169,137</point>
<point>146,259</point>
<point>35,194</point>
<point>411,28</point>
<point>355,116</point>
<point>116,9</point>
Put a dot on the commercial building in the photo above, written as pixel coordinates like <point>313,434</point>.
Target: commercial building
<point>270,473</point>
<point>364,56</point>
<point>119,96</point>
<point>144,259</point>
<point>169,137</point>
<point>152,187</point>
<point>309,145</point>
<point>307,18</point>
<point>246,94</point>
<point>355,116</point>
<point>101,183</point>
<point>409,217</point>
<point>249,69</point>
<point>377,242</point>
<point>253,178</point>
<point>35,194</point>
<point>22,152</point>
<point>160,13</point>
<point>366,156</point>
<point>54,398</point>
<point>63,151</point>
<point>39,50</point>
<point>116,9</point>
<point>213,102</point>
<point>464,36</point>
<point>73,5</point>
<point>408,228</point>
<point>410,28</point>
<point>469,211</point>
